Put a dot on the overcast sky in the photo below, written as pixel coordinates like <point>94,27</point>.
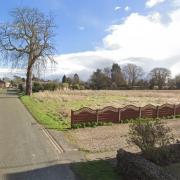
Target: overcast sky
<point>95,33</point>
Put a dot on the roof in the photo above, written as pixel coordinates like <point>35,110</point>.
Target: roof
<point>2,81</point>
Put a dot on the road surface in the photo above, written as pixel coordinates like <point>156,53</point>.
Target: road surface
<point>26,153</point>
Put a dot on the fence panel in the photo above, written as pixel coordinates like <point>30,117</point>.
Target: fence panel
<point>177,110</point>
<point>166,110</point>
<point>149,111</point>
<point>115,115</point>
<point>130,112</point>
<point>109,114</point>
<point>83,115</point>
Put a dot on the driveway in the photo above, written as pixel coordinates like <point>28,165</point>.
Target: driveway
<point>26,153</point>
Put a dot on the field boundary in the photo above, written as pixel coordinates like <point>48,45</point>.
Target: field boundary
<point>119,115</point>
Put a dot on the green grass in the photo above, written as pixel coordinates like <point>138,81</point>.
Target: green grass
<point>49,112</point>
<point>97,170</point>
<point>2,91</point>
<point>45,113</point>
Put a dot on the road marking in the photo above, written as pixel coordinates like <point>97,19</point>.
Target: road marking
<point>53,142</point>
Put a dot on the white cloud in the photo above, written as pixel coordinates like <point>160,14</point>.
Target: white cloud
<point>117,8</point>
<point>8,72</point>
<point>176,3</point>
<point>145,36</point>
<point>152,3</point>
<point>143,40</point>
<point>127,8</point>
<point>140,39</point>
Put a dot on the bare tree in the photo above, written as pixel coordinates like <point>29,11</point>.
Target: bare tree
<point>28,40</point>
<point>160,76</point>
<point>132,73</point>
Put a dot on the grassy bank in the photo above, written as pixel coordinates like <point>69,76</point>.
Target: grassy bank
<point>97,170</point>
<point>53,109</point>
<point>45,113</point>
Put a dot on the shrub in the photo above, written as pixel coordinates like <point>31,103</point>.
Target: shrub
<point>149,134</point>
<point>76,86</point>
<point>37,87</point>
<point>20,87</point>
<point>51,86</point>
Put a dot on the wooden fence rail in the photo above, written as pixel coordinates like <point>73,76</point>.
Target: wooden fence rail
<point>117,115</point>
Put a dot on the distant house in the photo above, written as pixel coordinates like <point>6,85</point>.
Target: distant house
<point>2,84</point>
<point>7,84</point>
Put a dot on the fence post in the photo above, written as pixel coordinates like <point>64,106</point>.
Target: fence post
<point>72,117</point>
<point>139,112</point>
<point>97,118</point>
<point>119,111</point>
<point>174,111</point>
<point>157,111</point>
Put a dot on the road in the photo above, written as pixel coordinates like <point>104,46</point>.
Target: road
<point>26,153</point>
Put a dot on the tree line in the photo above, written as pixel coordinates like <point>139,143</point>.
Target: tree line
<point>130,76</point>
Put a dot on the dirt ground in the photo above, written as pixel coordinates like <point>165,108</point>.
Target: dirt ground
<point>104,141</point>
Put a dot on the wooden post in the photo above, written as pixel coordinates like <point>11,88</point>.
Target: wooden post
<point>97,118</point>
<point>72,117</point>
<point>139,112</point>
<point>174,111</point>
<point>157,111</point>
<point>119,111</point>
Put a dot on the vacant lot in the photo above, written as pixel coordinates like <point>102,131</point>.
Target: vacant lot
<point>111,138</point>
<point>53,108</point>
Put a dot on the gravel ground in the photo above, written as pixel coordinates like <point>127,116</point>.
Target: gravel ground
<point>108,139</point>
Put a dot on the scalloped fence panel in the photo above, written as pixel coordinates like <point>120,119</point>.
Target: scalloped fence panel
<point>117,115</point>
<point>149,111</point>
<point>109,114</point>
<point>166,110</point>
<point>130,112</point>
<point>83,115</point>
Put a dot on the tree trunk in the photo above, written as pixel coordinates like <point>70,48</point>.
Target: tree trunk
<point>29,81</point>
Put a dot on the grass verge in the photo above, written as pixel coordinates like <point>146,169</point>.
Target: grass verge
<point>45,113</point>
<point>2,91</point>
<point>97,170</point>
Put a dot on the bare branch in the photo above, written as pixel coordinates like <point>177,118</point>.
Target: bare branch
<point>28,38</point>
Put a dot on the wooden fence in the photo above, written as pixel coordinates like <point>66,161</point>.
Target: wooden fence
<point>118,115</point>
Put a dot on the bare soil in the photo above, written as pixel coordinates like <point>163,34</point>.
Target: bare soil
<point>104,141</point>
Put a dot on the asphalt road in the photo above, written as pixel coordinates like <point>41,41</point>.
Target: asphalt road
<point>25,151</point>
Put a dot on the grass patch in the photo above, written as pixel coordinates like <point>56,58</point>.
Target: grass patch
<point>3,91</point>
<point>54,110</point>
<point>45,113</point>
<point>96,170</point>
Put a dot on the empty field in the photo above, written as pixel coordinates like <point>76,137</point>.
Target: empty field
<point>53,108</point>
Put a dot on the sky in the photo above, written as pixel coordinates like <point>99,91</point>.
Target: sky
<point>93,34</point>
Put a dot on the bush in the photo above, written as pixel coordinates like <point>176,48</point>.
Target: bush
<point>20,87</point>
<point>51,86</point>
<point>37,87</point>
<point>149,134</point>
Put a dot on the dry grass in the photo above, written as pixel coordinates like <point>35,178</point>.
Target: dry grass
<point>99,99</point>
<point>59,103</point>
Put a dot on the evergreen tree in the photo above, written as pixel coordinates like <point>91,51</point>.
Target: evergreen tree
<point>64,79</point>
<point>117,76</point>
